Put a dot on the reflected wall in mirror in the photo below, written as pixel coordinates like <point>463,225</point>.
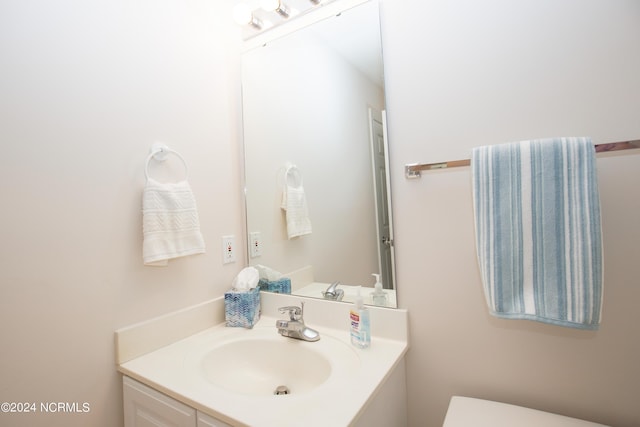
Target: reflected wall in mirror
<point>313,114</point>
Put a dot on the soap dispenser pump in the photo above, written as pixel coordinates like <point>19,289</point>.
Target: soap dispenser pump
<point>360,324</point>
<point>378,296</point>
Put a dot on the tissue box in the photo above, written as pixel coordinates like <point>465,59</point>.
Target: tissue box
<point>242,308</point>
<point>281,286</point>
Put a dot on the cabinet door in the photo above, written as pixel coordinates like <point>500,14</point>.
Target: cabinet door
<point>146,407</point>
<point>205,420</point>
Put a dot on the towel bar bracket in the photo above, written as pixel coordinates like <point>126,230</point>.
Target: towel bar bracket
<point>410,172</point>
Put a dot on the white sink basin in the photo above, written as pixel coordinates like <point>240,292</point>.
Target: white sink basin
<point>259,366</point>
<point>255,362</point>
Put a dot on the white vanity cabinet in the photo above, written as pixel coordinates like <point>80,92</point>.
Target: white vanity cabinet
<point>146,407</point>
<point>205,420</point>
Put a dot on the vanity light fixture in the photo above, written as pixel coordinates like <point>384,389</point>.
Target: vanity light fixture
<point>276,6</point>
<point>243,15</point>
<point>257,17</point>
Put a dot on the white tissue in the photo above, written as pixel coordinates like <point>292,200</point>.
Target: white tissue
<point>268,274</point>
<point>246,280</point>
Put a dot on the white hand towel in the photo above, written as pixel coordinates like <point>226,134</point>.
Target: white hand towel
<point>294,202</point>
<point>171,227</point>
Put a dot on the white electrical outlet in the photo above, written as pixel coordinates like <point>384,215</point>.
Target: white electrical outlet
<point>255,242</point>
<point>228,249</point>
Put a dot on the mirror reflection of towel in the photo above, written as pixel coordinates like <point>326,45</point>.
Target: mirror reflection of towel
<point>294,203</point>
<point>170,223</point>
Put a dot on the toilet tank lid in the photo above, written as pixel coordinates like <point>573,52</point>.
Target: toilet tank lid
<point>468,411</point>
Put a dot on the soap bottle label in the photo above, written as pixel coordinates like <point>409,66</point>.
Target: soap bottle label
<point>359,329</point>
<point>355,322</point>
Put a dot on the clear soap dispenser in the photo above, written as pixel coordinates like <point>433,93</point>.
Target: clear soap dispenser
<point>378,296</point>
<point>360,324</point>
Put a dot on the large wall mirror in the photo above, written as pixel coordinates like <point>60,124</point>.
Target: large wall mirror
<point>316,156</point>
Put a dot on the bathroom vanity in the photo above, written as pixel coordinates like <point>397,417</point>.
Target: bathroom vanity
<point>144,406</point>
<point>188,368</point>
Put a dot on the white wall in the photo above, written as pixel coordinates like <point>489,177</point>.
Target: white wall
<point>85,88</point>
<point>465,73</point>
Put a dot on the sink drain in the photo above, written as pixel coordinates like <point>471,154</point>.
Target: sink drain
<point>281,389</point>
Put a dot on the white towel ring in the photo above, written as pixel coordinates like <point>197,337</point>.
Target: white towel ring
<point>159,152</point>
<point>292,176</point>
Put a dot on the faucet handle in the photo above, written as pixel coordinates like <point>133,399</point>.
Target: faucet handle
<point>334,286</point>
<point>295,312</point>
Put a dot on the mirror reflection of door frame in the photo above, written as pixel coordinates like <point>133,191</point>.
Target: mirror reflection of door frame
<point>381,182</point>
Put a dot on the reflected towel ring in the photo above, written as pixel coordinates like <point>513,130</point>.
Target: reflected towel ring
<point>159,152</point>
<point>292,176</point>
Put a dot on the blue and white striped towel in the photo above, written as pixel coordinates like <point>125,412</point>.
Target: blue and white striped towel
<point>538,232</point>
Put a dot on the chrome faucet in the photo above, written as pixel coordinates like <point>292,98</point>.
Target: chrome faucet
<point>333,293</point>
<point>295,327</point>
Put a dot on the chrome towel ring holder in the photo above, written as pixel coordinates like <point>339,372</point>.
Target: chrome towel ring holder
<point>159,152</point>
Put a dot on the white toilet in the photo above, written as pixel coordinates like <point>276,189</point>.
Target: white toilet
<point>470,412</point>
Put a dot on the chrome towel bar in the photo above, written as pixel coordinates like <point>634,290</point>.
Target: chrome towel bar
<point>413,170</point>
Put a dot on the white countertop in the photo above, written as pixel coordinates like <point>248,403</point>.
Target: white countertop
<point>338,401</point>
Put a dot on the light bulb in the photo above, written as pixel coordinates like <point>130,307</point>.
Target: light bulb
<point>275,6</point>
<point>269,5</point>
<point>243,15</point>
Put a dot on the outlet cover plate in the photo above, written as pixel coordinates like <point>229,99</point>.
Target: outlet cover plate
<point>228,249</point>
<point>255,240</point>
